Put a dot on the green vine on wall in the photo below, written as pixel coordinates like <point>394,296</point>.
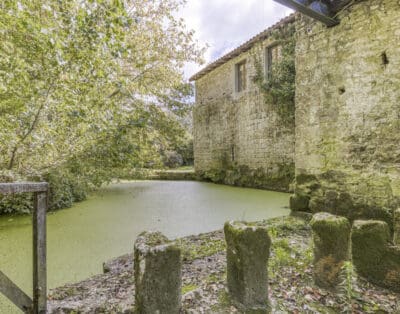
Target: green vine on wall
<point>279,87</point>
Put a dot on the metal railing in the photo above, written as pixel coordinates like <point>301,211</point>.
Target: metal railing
<point>38,304</point>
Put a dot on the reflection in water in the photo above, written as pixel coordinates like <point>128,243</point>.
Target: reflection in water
<point>105,226</point>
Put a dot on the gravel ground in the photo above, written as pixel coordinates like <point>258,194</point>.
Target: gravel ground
<point>291,287</point>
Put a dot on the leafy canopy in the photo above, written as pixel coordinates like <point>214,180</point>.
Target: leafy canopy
<point>90,85</point>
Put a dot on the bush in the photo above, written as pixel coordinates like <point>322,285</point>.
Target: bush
<point>186,151</point>
<point>172,159</point>
<point>18,203</point>
<point>65,188</point>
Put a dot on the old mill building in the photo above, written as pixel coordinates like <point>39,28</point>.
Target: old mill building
<point>310,105</point>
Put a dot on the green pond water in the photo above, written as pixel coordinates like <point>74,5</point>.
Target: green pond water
<point>81,238</point>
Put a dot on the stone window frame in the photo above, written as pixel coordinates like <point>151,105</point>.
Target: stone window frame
<point>268,55</point>
<point>241,78</point>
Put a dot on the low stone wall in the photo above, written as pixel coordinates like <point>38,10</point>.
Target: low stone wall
<point>173,175</point>
<point>278,180</point>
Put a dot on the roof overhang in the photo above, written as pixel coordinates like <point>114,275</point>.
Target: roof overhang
<point>303,6</point>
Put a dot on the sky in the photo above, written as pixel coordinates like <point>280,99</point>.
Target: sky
<point>225,24</point>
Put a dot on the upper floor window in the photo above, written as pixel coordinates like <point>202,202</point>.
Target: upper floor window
<point>240,76</point>
<point>273,55</point>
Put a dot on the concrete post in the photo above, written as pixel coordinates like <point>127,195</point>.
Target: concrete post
<point>157,274</point>
<point>331,236</point>
<point>248,249</point>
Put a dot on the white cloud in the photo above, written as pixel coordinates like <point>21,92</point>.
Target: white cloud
<point>225,24</point>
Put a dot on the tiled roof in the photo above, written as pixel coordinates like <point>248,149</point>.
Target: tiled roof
<point>244,47</point>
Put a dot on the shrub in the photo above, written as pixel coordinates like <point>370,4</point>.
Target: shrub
<point>172,159</point>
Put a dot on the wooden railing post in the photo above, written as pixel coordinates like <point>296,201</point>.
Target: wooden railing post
<point>39,303</point>
<point>39,253</point>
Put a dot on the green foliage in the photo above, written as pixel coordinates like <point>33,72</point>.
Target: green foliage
<point>18,203</point>
<point>65,189</point>
<point>185,149</point>
<point>88,88</point>
<point>282,253</point>
<point>188,288</point>
<point>279,86</point>
<point>348,279</point>
<point>21,203</point>
<point>205,246</point>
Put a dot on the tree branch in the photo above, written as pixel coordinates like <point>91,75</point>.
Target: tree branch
<point>29,131</point>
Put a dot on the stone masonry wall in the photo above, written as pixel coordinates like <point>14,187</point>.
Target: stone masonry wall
<point>238,137</point>
<point>348,113</point>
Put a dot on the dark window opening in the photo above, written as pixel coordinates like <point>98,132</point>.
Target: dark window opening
<point>241,76</point>
<point>385,59</point>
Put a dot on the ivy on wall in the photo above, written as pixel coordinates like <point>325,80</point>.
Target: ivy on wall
<point>279,87</point>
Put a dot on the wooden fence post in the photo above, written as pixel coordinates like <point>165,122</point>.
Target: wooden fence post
<point>39,254</point>
<point>39,303</point>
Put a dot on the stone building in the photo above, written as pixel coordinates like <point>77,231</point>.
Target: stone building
<point>239,136</point>
<point>347,113</point>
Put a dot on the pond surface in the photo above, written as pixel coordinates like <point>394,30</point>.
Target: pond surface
<point>81,238</point>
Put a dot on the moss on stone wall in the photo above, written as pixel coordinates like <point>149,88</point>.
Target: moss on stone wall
<point>345,195</point>
<point>347,121</point>
<point>239,137</point>
<point>242,175</point>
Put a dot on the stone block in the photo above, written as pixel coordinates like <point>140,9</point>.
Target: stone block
<point>157,274</point>
<point>374,256</point>
<point>299,202</point>
<point>397,227</point>
<point>248,249</point>
<point>331,236</point>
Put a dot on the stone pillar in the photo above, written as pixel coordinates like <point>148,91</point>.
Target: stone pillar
<point>374,257</point>
<point>299,202</point>
<point>397,227</point>
<point>331,236</point>
<point>157,274</point>
<point>248,250</point>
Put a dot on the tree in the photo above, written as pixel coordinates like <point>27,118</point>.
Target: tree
<point>88,83</point>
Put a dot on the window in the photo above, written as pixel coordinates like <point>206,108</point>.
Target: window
<point>273,54</point>
<point>240,70</point>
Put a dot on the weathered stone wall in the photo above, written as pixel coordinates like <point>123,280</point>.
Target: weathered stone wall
<point>348,112</point>
<point>239,138</point>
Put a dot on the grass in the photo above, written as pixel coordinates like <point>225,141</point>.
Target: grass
<point>201,248</point>
<point>188,288</point>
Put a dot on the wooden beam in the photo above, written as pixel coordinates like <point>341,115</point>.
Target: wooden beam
<point>39,254</point>
<point>23,187</point>
<point>15,294</point>
<point>309,12</point>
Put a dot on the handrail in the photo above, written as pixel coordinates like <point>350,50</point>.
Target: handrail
<point>23,187</point>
